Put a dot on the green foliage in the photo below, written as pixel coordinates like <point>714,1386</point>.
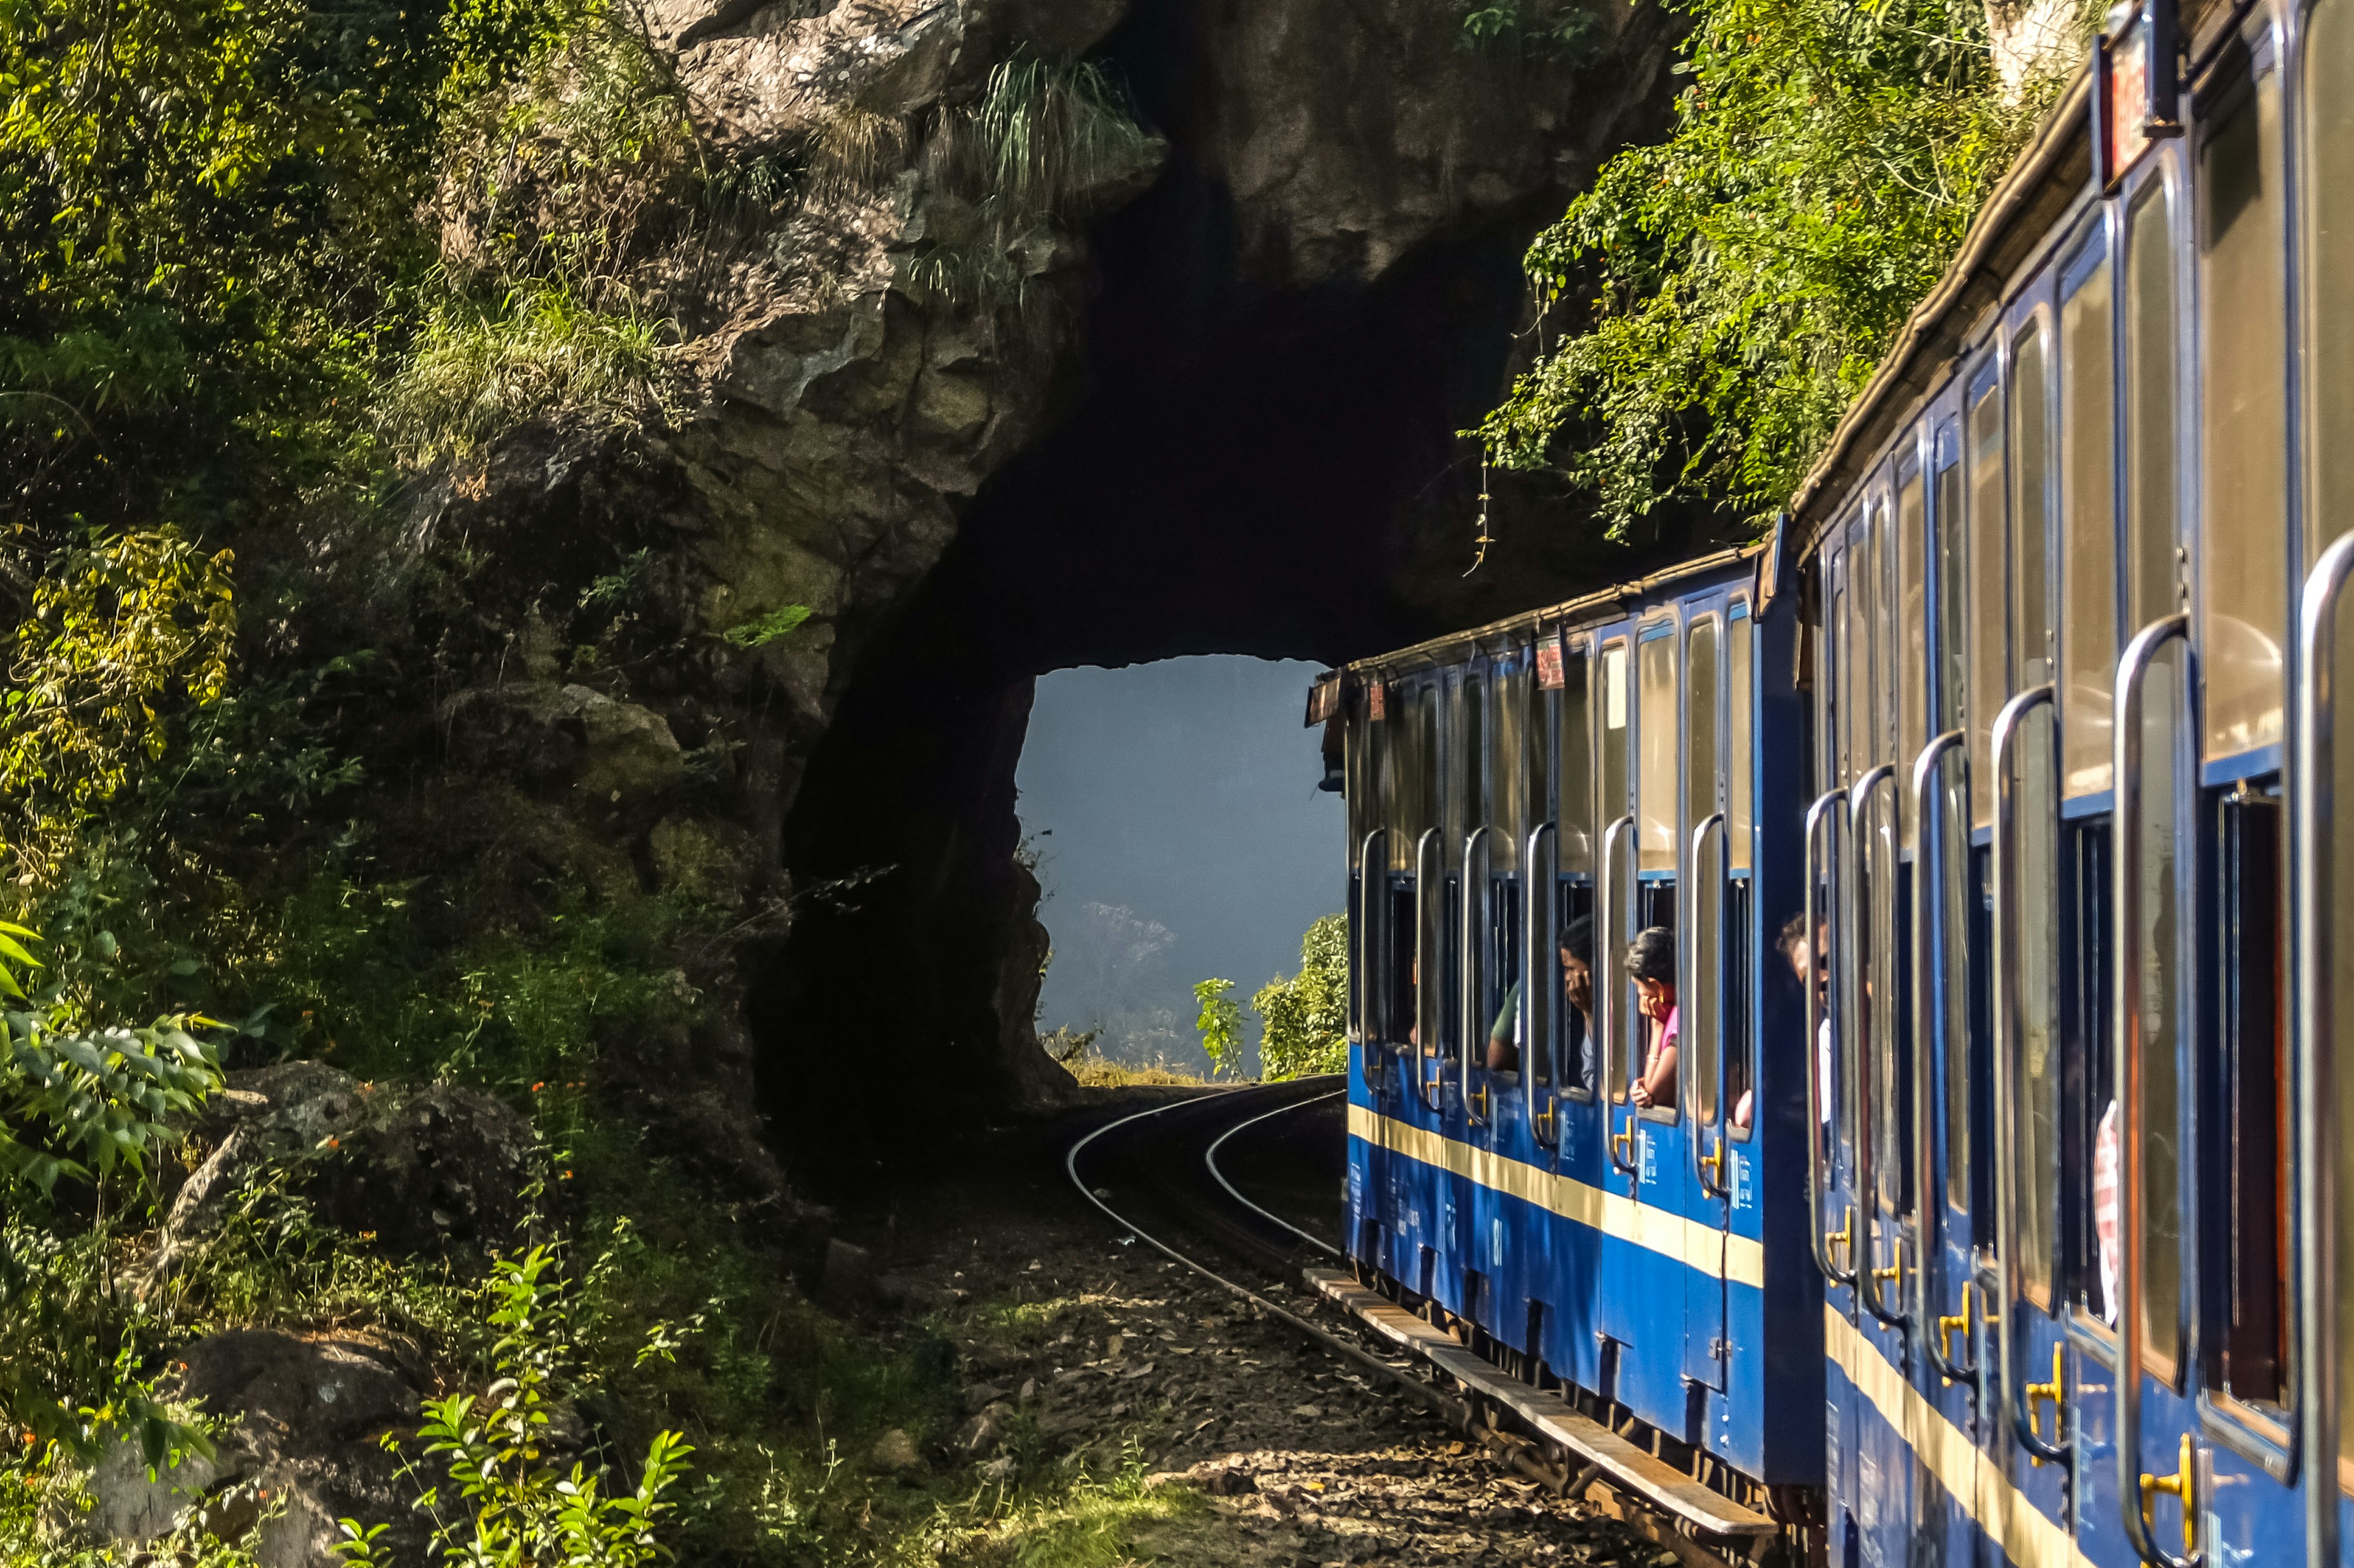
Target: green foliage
<point>477,372</point>
<point>1304,1020</point>
<point>520,1509</point>
<point>1555,32</point>
<point>124,627</point>
<point>1221,1025</point>
<point>1042,142</point>
<point>763,629</point>
<point>1731,287</point>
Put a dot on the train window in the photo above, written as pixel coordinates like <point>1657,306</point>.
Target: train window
<point>1573,770</point>
<point>2090,1074</point>
<point>2327,216</point>
<point>1508,759</point>
<point>1478,778</point>
<point>2252,1233</point>
<point>1656,832</point>
<point>1740,781</point>
<point>1989,578</point>
<point>1864,640</point>
<point>1910,543</point>
<point>1952,621</point>
<point>2244,414</point>
<point>2153,587</point>
<point>1700,1017</point>
<point>2030,426</point>
<point>1611,939</point>
<point>2088,555</point>
<point>1844,660</point>
<point>1543,712</point>
<point>2326,222</point>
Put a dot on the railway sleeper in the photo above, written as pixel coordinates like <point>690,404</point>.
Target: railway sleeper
<point>1643,1489</point>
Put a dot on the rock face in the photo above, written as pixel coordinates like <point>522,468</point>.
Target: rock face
<point>1309,255</point>
<point>303,1453</point>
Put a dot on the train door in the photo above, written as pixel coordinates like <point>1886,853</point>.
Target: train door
<point>1492,956</point>
<point>2051,410</point>
<point>1419,1194</point>
<point>1701,952</point>
<point>2325,77</point>
<point>1463,872</point>
<point>1623,1308</point>
<point>1576,1127</point>
<point>1829,1159</point>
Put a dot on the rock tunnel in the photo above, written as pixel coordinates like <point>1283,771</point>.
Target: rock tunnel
<point>1252,451</point>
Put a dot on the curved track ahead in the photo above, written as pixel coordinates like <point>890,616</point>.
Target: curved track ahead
<point>1249,1175</point>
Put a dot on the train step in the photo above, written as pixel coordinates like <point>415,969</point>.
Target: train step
<point>1629,1468</point>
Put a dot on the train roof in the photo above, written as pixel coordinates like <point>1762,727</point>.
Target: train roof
<point>1602,605</point>
<point>2049,176</point>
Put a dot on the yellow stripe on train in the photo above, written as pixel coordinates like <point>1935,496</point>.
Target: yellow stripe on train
<point>1738,1260</point>
<point>2026,1535</point>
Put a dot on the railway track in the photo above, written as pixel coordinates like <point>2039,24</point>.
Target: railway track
<point>1241,1187</point>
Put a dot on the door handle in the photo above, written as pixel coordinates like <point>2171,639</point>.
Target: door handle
<point>1472,972</point>
<point>2007,963</point>
<point>2313,783</point>
<point>2183,1484</point>
<point>1860,799</point>
<point>1710,1007</point>
<point>1429,888</point>
<point>1372,913</point>
<point>1821,817</point>
<point>1608,986</point>
<point>1928,1203</point>
<point>2055,1395</point>
<point>1541,980</point>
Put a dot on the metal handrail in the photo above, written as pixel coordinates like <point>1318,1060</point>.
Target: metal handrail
<point>1860,799</point>
<point>1540,991</point>
<point>2008,962</point>
<point>1471,975</point>
<point>1607,988</point>
<point>1820,815</point>
<point>2135,1487</point>
<point>1373,910</point>
<point>2313,784</point>
<point>1430,886</point>
<point>1688,990</point>
<point>1927,1204</point>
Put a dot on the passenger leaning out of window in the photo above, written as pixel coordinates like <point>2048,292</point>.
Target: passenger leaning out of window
<point>1651,965</point>
<point>1576,989</point>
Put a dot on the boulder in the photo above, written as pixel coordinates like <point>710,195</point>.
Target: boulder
<point>414,1169</point>
<point>303,1451</point>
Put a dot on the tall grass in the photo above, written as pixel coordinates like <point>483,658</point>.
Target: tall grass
<point>475,373</point>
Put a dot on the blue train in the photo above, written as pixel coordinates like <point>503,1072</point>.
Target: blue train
<point>1990,1212</point>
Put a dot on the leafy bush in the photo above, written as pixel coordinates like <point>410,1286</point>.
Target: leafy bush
<point>1730,289</point>
<point>1555,32</point>
<point>1221,1025</point>
<point>520,1509</point>
<point>1304,1020</point>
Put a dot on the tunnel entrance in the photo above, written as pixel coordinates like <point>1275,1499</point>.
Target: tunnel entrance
<point>1237,468</point>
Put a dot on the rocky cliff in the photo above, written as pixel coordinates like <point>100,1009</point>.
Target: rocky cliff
<point>1197,396</point>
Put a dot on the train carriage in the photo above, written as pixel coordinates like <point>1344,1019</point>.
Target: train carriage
<point>2051,568</point>
<point>2028,710</point>
<point>1569,779</point>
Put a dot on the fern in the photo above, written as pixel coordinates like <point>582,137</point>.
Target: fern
<point>763,629</point>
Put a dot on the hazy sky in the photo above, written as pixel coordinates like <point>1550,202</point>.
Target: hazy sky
<point>1188,839</point>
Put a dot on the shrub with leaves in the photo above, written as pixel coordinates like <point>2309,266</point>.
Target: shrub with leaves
<point>1304,1020</point>
<point>93,1108</point>
<point>1729,289</point>
<point>1221,1025</point>
<point>519,1509</point>
<point>124,629</point>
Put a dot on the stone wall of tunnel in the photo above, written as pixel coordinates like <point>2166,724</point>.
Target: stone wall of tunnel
<point>1250,452</point>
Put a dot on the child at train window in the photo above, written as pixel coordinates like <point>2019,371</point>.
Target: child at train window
<point>1576,989</point>
<point>1651,965</point>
